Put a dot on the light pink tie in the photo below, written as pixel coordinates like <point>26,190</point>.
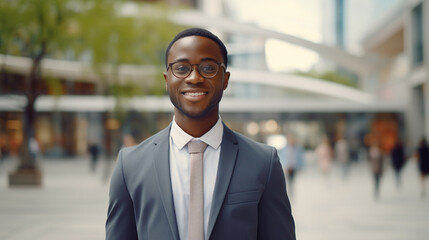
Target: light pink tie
<point>196,195</point>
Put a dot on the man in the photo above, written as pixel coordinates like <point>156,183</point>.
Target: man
<point>244,188</point>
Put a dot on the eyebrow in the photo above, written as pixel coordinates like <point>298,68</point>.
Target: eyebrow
<point>209,59</point>
<point>203,59</point>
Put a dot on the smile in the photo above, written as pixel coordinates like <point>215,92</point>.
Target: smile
<point>194,94</point>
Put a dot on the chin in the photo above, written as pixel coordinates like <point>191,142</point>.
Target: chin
<point>195,114</point>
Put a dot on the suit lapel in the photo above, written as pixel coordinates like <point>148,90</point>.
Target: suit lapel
<point>228,157</point>
<point>162,166</point>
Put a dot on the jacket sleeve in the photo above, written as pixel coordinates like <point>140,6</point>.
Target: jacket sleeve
<point>120,222</point>
<point>275,214</point>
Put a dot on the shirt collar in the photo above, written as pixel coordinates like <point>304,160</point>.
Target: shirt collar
<point>213,137</point>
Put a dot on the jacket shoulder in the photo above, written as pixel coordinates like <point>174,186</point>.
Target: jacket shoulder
<point>139,150</point>
<point>252,146</point>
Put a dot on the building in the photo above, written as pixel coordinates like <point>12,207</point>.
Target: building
<point>400,38</point>
<point>258,103</point>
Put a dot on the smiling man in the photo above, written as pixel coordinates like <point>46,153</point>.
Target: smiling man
<point>230,188</point>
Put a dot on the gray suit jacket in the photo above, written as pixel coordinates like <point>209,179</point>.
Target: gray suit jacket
<point>249,199</point>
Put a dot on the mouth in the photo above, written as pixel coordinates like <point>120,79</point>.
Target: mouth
<point>194,94</point>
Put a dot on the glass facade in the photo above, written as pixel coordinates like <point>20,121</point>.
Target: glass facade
<point>417,29</point>
<point>339,22</point>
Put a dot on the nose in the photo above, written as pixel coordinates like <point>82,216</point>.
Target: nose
<point>195,76</point>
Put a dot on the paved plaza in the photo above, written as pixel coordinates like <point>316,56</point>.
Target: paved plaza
<point>72,204</point>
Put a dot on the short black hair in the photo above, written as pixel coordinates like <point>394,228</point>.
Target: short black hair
<point>202,33</point>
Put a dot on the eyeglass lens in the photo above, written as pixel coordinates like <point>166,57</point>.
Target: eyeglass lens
<point>207,69</point>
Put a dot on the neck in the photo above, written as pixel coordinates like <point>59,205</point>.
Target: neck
<point>196,127</point>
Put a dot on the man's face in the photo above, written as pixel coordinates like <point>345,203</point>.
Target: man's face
<point>196,96</point>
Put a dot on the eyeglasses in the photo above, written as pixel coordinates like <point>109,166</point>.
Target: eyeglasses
<point>207,69</point>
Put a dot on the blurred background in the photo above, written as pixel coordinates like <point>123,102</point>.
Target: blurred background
<point>337,86</point>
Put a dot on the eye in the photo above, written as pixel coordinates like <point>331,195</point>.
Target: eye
<point>181,68</point>
<point>208,67</point>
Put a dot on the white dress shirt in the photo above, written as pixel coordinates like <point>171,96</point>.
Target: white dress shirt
<point>179,172</point>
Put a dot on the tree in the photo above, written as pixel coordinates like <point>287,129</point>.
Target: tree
<point>331,76</point>
<point>93,31</point>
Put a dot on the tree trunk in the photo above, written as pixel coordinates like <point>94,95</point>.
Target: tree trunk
<point>28,173</point>
<point>29,149</point>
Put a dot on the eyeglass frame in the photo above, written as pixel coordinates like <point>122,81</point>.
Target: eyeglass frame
<point>198,68</point>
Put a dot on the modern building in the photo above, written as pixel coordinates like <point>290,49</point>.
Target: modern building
<point>400,38</point>
<point>258,103</point>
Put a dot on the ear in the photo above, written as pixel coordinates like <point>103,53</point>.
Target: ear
<point>165,78</point>
<point>226,80</point>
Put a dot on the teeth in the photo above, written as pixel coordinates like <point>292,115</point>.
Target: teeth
<point>194,94</point>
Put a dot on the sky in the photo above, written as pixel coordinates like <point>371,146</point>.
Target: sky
<point>299,18</point>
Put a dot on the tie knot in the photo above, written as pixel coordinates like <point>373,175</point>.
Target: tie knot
<point>196,147</point>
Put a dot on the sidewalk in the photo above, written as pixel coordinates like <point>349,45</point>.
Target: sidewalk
<point>335,208</point>
<point>72,204</point>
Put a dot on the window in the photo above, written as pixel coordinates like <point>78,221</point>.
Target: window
<point>417,31</point>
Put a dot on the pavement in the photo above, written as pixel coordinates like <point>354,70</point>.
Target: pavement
<point>72,203</point>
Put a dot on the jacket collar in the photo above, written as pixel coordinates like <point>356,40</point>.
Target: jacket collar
<point>227,160</point>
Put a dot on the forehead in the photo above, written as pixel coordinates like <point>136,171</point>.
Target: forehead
<point>194,48</point>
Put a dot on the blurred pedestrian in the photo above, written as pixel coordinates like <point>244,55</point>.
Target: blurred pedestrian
<point>342,154</point>
<point>376,164</point>
<point>128,141</point>
<point>94,151</point>
<point>34,149</point>
<point>1,158</point>
<point>422,155</point>
<point>292,160</point>
<point>324,156</point>
<point>398,159</point>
